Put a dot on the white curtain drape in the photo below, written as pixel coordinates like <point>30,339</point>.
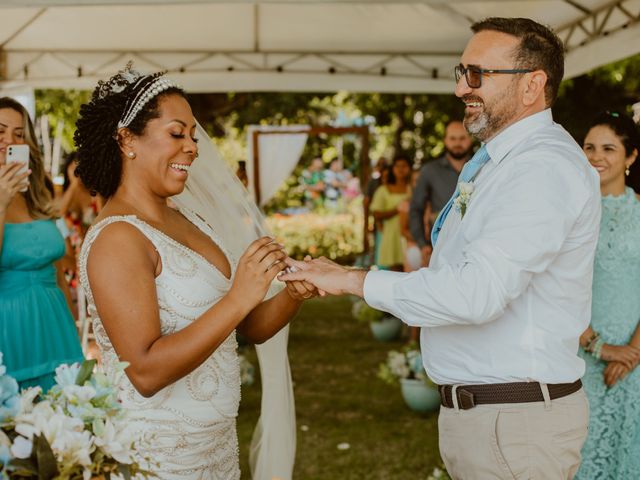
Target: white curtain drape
<point>273,446</point>
<point>278,154</point>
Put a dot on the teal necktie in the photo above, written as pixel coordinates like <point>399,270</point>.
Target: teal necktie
<point>468,173</point>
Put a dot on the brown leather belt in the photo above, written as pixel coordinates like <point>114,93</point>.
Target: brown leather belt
<point>518,392</point>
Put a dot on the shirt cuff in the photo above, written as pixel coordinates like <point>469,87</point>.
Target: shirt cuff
<point>378,288</point>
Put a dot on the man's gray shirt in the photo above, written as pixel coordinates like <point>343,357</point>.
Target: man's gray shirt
<point>436,184</point>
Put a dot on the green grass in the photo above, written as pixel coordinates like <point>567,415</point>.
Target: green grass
<point>334,361</point>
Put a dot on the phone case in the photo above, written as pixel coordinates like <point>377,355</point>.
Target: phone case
<point>20,154</point>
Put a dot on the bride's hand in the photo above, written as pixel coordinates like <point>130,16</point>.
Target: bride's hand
<point>257,268</point>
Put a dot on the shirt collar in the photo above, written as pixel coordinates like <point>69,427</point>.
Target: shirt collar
<point>506,140</point>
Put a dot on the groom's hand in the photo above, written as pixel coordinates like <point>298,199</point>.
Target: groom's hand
<point>301,290</point>
<point>326,275</point>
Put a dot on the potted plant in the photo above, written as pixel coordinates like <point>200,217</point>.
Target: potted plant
<point>78,430</point>
<point>384,327</point>
<point>405,367</point>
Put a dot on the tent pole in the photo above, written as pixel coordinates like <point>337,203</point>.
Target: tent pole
<point>3,65</point>
<point>256,166</point>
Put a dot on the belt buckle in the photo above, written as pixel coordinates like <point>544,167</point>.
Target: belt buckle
<point>466,399</point>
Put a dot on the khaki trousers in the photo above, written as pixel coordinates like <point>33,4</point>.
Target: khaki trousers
<point>539,440</point>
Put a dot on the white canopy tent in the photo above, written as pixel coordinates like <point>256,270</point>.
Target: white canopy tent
<point>280,45</point>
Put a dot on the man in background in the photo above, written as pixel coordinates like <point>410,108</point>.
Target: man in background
<point>436,184</point>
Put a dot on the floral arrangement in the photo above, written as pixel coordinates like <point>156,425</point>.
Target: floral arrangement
<point>76,431</point>
<point>335,236</point>
<point>362,312</point>
<point>406,363</point>
<point>246,371</point>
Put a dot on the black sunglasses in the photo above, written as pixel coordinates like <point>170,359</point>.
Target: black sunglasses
<point>473,74</point>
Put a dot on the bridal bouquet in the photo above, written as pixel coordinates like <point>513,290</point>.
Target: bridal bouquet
<point>76,431</point>
<point>406,363</point>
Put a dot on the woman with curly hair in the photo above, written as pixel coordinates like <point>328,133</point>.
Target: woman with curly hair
<point>164,291</point>
<point>37,331</point>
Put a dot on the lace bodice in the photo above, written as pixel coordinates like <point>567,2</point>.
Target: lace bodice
<point>192,421</point>
<point>616,280</point>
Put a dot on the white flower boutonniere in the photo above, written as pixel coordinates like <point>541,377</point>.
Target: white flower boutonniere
<point>461,202</point>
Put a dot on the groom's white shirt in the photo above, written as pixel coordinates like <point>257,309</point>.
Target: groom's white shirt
<point>508,290</point>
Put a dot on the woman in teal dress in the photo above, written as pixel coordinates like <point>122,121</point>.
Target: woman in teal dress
<point>611,344</point>
<point>37,331</point>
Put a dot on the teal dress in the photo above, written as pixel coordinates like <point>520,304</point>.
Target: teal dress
<point>37,331</point>
<point>612,449</point>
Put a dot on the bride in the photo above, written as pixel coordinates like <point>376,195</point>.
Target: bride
<point>168,287</point>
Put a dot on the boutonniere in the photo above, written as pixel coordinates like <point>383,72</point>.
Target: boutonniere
<point>465,190</point>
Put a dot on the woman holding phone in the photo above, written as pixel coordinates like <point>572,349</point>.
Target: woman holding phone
<point>37,332</point>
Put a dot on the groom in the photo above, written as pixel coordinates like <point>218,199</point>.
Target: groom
<point>508,290</point>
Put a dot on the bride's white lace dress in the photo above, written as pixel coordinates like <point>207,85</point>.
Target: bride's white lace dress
<point>191,424</point>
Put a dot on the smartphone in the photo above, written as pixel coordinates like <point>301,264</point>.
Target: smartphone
<point>19,154</point>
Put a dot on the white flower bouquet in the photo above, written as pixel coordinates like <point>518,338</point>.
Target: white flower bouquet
<point>406,363</point>
<point>76,431</point>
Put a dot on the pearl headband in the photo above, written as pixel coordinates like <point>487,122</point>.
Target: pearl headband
<point>146,93</point>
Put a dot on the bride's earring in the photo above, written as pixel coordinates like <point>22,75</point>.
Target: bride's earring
<point>626,172</point>
<point>131,155</point>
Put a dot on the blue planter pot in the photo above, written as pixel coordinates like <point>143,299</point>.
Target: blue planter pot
<point>386,329</point>
<point>419,396</point>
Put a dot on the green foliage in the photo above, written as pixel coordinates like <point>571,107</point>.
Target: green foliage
<point>62,106</point>
<point>335,236</point>
<point>364,313</point>
<point>613,87</point>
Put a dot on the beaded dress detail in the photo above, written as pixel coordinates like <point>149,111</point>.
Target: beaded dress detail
<point>612,449</point>
<point>191,424</point>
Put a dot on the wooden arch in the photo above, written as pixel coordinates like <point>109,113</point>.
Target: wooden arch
<point>362,132</point>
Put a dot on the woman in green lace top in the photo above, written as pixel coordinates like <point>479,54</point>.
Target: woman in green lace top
<point>611,344</point>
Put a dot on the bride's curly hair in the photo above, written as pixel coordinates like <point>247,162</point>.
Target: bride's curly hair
<point>99,156</point>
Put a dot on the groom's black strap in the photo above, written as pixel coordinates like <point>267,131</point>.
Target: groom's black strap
<point>518,392</point>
